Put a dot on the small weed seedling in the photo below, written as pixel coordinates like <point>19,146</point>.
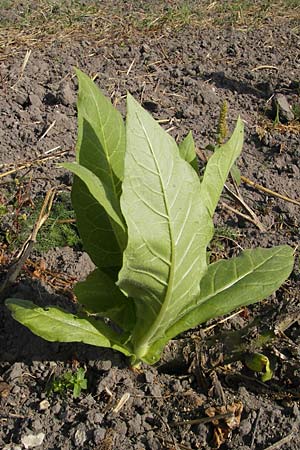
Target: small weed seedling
<point>259,363</point>
<point>75,381</point>
<point>145,218</point>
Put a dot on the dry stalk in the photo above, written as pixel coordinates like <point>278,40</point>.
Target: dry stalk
<point>238,213</point>
<point>33,162</point>
<point>252,217</point>
<point>23,254</point>
<point>269,191</point>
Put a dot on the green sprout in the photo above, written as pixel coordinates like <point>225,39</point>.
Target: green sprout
<point>75,381</point>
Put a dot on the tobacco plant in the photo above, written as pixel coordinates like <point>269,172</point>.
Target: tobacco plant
<point>145,218</point>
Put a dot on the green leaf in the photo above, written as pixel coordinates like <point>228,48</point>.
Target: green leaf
<point>230,284</point>
<point>56,325</point>
<point>236,174</point>
<point>101,133</point>
<point>95,228</point>
<point>245,279</point>
<point>100,149</point>
<point>259,363</point>
<point>105,197</point>
<point>187,151</point>
<point>79,382</point>
<point>218,167</point>
<point>168,228</point>
<point>99,294</point>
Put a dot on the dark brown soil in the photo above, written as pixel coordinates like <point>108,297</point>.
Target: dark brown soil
<point>183,76</point>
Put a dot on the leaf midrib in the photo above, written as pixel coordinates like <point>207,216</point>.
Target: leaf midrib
<point>225,288</point>
<point>165,303</point>
<point>49,313</point>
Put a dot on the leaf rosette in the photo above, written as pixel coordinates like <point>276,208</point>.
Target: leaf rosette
<point>145,218</point>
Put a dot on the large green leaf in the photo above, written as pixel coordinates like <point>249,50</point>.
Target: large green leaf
<point>95,228</point>
<point>187,151</point>
<point>101,134</point>
<point>99,294</point>
<point>168,228</point>
<point>218,167</point>
<point>230,284</point>
<point>105,197</point>
<point>100,149</point>
<point>56,325</point>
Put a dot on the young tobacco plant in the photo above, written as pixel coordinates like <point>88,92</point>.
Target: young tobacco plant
<point>145,218</point>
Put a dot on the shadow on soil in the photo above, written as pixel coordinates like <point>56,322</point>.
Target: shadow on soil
<point>18,344</point>
<point>262,89</point>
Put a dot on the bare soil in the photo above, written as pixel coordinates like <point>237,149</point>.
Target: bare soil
<point>182,75</point>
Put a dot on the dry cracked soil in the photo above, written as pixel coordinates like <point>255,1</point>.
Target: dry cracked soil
<point>182,69</point>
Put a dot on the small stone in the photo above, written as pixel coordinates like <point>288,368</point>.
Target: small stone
<point>145,48</point>
<point>22,99</point>
<point>35,101</point>
<point>104,365</point>
<point>36,425</point>
<point>134,425</point>
<point>281,105</point>
<point>95,417</point>
<point>99,435</point>
<point>209,97</point>
<point>4,389</point>
<point>32,440</point>
<point>149,377</point>
<point>66,95</point>
<point>154,389</point>
<point>15,371</point>
<point>79,437</point>
<point>245,427</point>
<point>56,408</point>
<point>44,404</point>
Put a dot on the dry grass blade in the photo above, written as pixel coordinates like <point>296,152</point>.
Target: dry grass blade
<point>33,162</point>
<point>281,442</point>
<point>252,217</point>
<point>125,397</point>
<point>48,129</point>
<point>211,327</point>
<point>264,66</point>
<point>25,62</point>
<point>269,191</point>
<point>96,21</point>
<point>244,216</point>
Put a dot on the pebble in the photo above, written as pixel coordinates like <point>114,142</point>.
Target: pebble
<point>66,95</point>
<point>35,100</point>
<point>79,437</point>
<point>16,371</point>
<point>99,434</point>
<point>134,425</point>
<point>285,112</point>
<point>245,427</point>
<point>32,440</point>
<point>44,404</point>
<point>56,408</point>
<point>21,98</point>
<point>95,417</point>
